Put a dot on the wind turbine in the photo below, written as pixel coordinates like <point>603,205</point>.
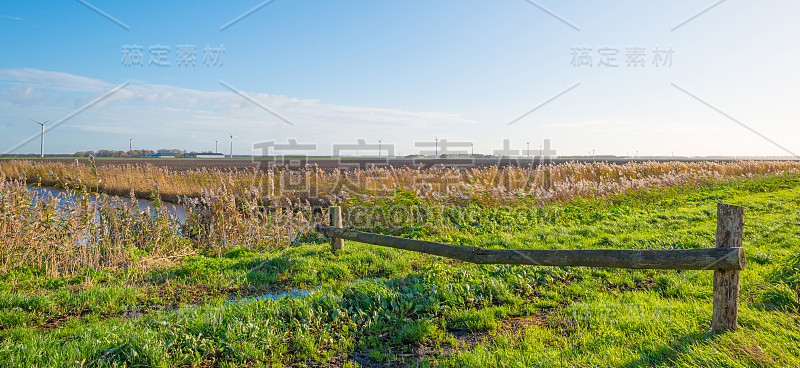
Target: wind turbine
<point>232,137</point>
<point>42,124</point>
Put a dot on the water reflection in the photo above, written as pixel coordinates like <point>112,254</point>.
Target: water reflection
<point>46,193</point>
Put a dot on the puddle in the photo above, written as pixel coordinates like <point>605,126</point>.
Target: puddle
<point>298,293</point>
<point>293,294</point>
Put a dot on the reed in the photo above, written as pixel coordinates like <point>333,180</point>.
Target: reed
<point>485,185</point>
<point>84,227</point>
<point>63,234</point>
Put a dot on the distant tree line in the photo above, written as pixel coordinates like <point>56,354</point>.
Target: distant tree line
<point>134,153</point>
<point>101,153</point>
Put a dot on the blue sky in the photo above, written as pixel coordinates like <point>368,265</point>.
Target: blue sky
<point>405,71</point>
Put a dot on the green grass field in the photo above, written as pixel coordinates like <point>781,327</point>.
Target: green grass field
<point>370,306</point>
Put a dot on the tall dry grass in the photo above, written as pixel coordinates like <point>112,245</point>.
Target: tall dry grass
<point>487,185</point>
<point>224,216</point>
<point>270,208</point>
<point>62,234</point>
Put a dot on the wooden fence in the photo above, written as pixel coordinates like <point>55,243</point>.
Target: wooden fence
<point>726,260</point>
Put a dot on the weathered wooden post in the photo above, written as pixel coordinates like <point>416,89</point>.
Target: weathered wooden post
<point>336,221</point>
<point>730,227</point>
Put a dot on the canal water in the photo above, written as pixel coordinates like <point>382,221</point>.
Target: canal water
<point>174,210</point>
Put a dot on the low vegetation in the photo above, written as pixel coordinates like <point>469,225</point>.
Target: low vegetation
<point>210,296</point>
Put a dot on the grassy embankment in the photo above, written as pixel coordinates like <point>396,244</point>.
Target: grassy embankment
<point>369,306</point>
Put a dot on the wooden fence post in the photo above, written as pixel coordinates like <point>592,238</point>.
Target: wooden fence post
<point>730,227</point>
<point>336,221</point>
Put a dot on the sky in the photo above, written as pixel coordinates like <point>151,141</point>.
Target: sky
<point>617,77</point>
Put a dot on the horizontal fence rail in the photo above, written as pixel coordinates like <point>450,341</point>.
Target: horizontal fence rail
<point>682,259</point>
<point>727,259</point>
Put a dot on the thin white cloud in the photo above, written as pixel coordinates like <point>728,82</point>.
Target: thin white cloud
<point>10,17</point>
<point>23,95</point>
<point>52,81</point>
